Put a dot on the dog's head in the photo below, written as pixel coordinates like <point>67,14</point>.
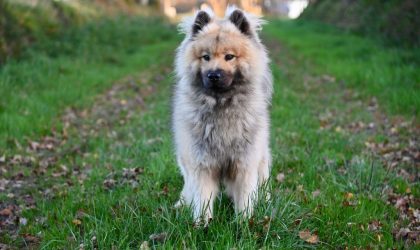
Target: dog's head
<point>221,53</point>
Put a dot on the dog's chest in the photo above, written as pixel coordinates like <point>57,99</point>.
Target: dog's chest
<point>224,130</point>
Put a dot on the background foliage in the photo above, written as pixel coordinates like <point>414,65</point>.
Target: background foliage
<point>23,24</point>
<point>396,20</point>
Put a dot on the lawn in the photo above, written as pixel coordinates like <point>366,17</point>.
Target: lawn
<point>86,156</point>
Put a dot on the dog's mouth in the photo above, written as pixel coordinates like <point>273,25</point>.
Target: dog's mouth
<point>229,84</point>
<point>218,89</point>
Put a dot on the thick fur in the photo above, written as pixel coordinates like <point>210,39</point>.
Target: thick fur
<point>222,137</point>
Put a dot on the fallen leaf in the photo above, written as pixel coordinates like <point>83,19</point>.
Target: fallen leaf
<point>5,247</point>
<point>109,183</point>
<point>402,203</point>
<point>6,212</point>
<point>299,188</point>
<point>374,226</point>
<point>30,238</point>
<point>403,232</point>
<point>316,193</point>
<point>280,177</point>
<point>308,237</point>
<point>160,237</point>
<point>348,196</point>
<point>251,222</point>
<point>266,223</point>
<point>349,203</point>
<point>328,78</point>
<point>165,190</point>
<point>34,145</point>
<point>94,241</point>
<point>132,173</point>
<point>144,245</point>
<point>80,214</point>
<point>77,222</point>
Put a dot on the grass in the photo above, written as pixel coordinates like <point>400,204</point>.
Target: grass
<point>82,210</point>
<point>389,74</point>
<point>54,76</point>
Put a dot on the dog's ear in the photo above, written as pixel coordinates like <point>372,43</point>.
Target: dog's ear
<point>201,20</point>
<point>238,18</point>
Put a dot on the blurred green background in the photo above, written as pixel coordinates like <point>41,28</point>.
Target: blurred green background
<point>25,22</point>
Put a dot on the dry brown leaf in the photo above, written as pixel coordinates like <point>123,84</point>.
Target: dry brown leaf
<point>109,183</point>
<point>6,212</point>
<point>374,226</point>
<point>251,222</point>
<point>308,237</point>
<point>31,238</point>
<point>349,203</point>
<point>348,196</point>
<point>316,193</point>
<point>77,222</point>
<point>160,237</point>
<point>328,78</point>
<point>165,190</point>
<point>403,232</point>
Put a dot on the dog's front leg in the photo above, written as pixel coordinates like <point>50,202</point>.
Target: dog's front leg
<point>203,188</point>
<point>244,189</point>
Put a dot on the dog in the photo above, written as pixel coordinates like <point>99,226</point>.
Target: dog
<point>220,117</point>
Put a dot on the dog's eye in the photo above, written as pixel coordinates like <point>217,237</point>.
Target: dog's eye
<point>206,57</point>
<point>229,57</point>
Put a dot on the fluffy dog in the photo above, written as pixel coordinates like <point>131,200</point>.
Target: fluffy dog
<point>221,110</point>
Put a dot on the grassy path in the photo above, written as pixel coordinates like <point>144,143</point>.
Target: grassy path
<point>108,178</point>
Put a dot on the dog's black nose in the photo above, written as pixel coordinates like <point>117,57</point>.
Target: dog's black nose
<point>214,76</point>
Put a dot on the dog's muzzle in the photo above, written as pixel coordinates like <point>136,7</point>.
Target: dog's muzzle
<point>216,80</point>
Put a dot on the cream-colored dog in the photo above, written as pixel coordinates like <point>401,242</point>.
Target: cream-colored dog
<point>220,110</point>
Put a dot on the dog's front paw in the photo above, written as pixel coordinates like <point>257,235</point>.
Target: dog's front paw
<point>202,222</point>
<point>180,203</point>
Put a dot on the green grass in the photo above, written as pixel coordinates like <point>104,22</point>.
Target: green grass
<point>390,74</point>
<point>124,217</point>
<point>72,70</point>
